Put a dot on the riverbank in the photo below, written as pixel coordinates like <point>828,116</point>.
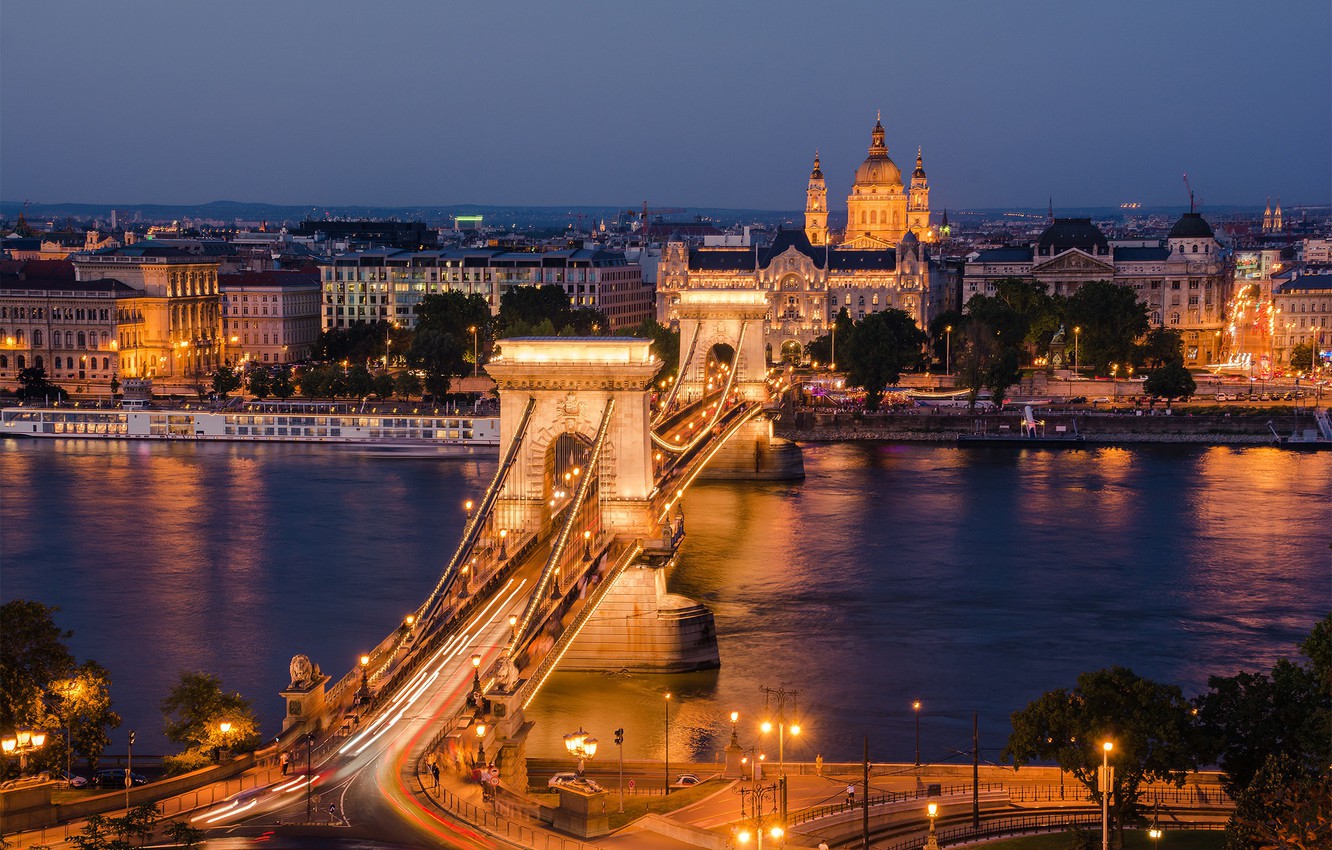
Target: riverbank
<point>1092,426</point>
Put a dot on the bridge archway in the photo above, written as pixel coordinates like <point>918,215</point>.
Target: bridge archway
<point>571,382</point>
<point>711,319</point>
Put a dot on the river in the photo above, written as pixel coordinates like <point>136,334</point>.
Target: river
<point>968,579</point>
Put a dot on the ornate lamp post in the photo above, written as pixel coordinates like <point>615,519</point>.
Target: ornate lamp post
<point>476,677</point>
<point>948,350</point>
<point>781,695</point>
<point>667,789</point>
<point>23,742</point>
<point>504,552</point>
<point>581,747</point>
<point>480,741</point>
<point>365,682</point>
<point>932,840</point>
<point>1077,335</point>
<point>513,626</point>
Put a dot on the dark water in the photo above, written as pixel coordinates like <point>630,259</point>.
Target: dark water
<point>970,579</point>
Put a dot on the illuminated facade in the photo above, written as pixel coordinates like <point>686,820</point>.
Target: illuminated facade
<point>806,285</point>
<point>880,210</point>
<point>65,326</point>
<point>387,285</point>
<point>174,330</point>
<point>270,317</point>
<point>1303,308</point>
<point>1184,279</point>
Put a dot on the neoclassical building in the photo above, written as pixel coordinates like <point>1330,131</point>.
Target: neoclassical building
<point>810,275</point>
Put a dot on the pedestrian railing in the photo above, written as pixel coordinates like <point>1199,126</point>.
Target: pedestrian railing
<point>487,819</point>
<point>1189,795</point>
<point>886,798</point>
<point>1024,824</point>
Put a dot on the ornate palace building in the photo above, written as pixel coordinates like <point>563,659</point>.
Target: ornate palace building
<point>1184,279</point>
<point>811,275</point>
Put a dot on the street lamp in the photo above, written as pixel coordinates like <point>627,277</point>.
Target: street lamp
<point>915,706</point>
<point>480,743</point>
<point>781,695</point>
<point>365,680</point>
<point>513,626</point>
<point>735,737</point>
<point>948,350</point>
<point>581,747</point>
<point>467,506</point>
<point>23,742</point>
<point>668,743</point>
<point>587,545</point>
<point>932,842</point>
<point>1106,782</point>
<point>475,361</point>
<point>504,552</point>
<point>1077,335</point>
<point>476,675</point>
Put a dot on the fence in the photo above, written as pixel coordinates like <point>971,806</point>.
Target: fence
<point>489,821</point>
<point>816,812</point>
<point>1189,795</point>
<point>1019,824</point>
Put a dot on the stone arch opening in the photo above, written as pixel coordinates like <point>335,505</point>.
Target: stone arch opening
<point>791,352</point>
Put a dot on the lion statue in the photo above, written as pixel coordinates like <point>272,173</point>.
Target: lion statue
<point>302,671</point>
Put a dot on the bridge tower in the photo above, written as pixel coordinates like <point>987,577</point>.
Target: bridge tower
<point>570,383</point>
<point>731,317</point>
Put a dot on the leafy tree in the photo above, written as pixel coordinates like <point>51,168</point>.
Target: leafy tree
<point>1042,312</point>
<point>185,835</point>
<point>528,306</point>
<point>1112,319</point>
<point>585,321</point>
<point>193,711</point>
<point>1001,373</point>
<point>383,385</point>
<point>83,703</point>
<point>407,384</point>
<point>1248,717</point>
<point>665,345</point>
<point>315,381</point>
<point>1162,347</point>
<point>99,833</point>
<point>225,380</point>
<point>986,361</point>
<point>1006,324</point>
<point>882,346</point>
<point>139,822</point>
<point>1149,724</point>
<point>1301,357</point>
<point>1170,382</point>
<point>443,343</point>
<point>359,342</point>
<point>1285,806</point>
<point>196,380</point>
<point>439,354</point>
<point>942,345</point>
<point>33,384</point>
<point>115,383</point>
<point>281,383</point>
<point>32,655</point>
<point>259,383</point>
<point>360,383</point>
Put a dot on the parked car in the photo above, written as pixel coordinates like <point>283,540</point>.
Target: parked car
<point>114,777</point>
<point>71,780</point>
<point>687,779</point>
<point>1222,397</point>
<point>1078,399</point>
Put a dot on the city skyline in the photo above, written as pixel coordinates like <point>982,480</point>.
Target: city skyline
<point>686,105</point>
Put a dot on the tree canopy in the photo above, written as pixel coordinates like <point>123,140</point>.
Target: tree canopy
<point>881,347</point>
<point>1112,320</point>
<point>193,712</point>
<point>33,384</point>
<point>1148,723</point>
<point>1170,382</point>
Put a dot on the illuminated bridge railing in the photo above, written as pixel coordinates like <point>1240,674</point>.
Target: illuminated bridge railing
<point>679,373</point>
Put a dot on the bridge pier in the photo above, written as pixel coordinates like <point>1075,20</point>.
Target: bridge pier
<point>642,628</point>
<point>754,454</point>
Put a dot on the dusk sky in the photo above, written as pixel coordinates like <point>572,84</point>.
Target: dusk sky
<point>691,104</point>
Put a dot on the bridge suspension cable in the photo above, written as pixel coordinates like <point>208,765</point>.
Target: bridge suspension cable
<point>679,377</point>
<point>523,628</point>
<point>662,443</point>
<point>478,520</point>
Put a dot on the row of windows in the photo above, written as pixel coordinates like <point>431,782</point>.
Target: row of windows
<point>81,339</point>
<point>21,362</point>
<point>68,314</point>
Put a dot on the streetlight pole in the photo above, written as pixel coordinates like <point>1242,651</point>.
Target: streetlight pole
<point>915,706</point>
<point>1077,335</point>
<point>781,695</point>
<point>309,758</point>
<point>932,842</point>
<point>668,744</point>
<point>948,350</point>
<point>129,769</point>
<point>1106,783</point>
<point>475,362</point>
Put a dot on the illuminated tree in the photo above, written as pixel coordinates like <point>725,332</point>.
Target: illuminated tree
<point>195,710</point>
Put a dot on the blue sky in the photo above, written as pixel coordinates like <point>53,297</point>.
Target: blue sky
<point>678,103</point>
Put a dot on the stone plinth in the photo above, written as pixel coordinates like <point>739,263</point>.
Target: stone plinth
<point>582,812</point>
<point>305,705</point>
<point>641,628</point>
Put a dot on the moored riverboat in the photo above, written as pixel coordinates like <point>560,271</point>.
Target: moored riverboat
<point>389,433</point>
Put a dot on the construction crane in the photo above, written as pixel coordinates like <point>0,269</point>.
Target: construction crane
<point>1193,203</point>
<point>647,211</point>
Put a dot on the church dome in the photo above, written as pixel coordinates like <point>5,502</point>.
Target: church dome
<point>877,169</point>
<point>1192,226</point>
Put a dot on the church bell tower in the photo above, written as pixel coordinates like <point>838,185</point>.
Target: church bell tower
<point>816,206</point>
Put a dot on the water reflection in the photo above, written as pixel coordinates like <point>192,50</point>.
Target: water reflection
<point>970,579</point>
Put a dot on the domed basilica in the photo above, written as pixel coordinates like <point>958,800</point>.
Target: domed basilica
<point>812,274</point>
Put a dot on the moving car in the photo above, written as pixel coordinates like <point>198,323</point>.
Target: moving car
<point>687,779</point>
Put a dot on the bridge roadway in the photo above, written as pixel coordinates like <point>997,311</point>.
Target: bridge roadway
<point>369,778</point>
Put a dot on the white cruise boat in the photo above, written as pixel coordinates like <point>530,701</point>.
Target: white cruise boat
<point>413,434</point>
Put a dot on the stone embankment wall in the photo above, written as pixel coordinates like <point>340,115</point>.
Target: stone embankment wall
<point>1094,427</point>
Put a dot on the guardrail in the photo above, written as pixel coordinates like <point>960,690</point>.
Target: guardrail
<point>1195,795</point>
<point>489,821</point>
